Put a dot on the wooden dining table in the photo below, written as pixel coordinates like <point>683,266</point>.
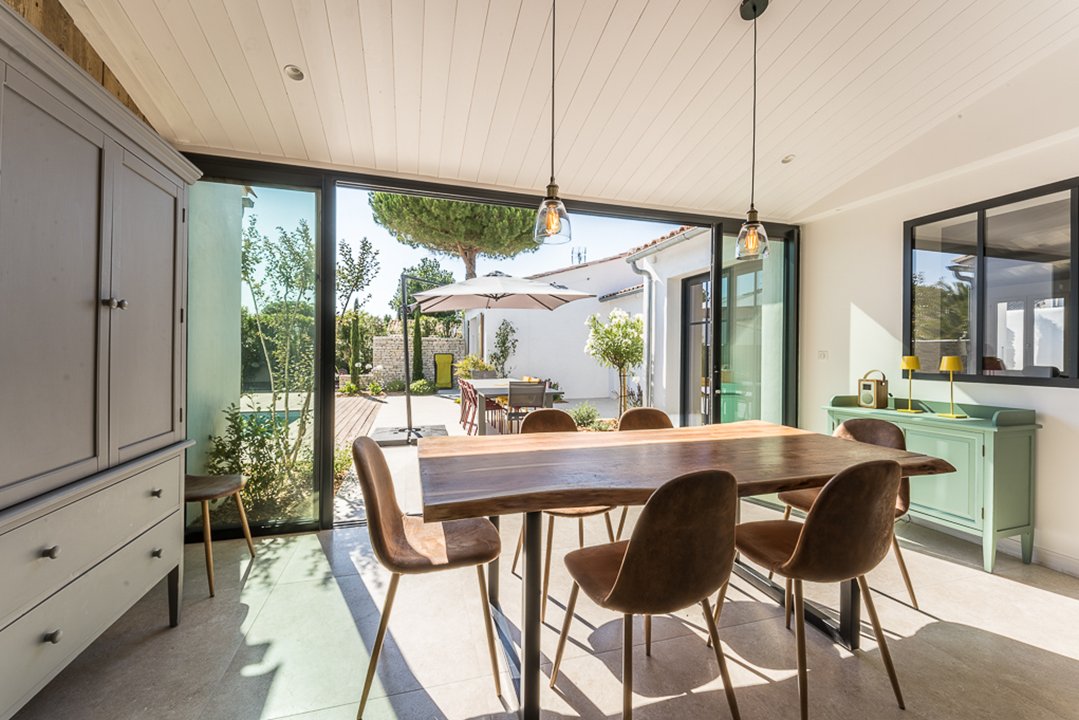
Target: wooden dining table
<point>494,475</point>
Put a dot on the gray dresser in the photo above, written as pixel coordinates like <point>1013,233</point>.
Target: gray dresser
<point>93,242</point>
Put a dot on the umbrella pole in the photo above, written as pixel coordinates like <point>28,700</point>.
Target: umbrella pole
<point>408,379</point>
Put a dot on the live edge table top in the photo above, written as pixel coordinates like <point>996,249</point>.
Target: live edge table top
<point>501,474</point>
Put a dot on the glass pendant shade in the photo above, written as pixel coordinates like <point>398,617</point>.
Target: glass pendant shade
<point>552,221</point>
<point>752,241</point>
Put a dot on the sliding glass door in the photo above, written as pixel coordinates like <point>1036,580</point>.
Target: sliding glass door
<point>696,408</point>
<point>755,337</point>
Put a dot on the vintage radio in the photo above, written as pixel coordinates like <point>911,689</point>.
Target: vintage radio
<point>873,393</point>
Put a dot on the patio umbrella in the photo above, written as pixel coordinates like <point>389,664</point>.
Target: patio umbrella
<point>494,291</point>
<point>497,291</point>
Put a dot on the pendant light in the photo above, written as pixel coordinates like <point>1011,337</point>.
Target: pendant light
<point>552,222</point>
<point>752,240</point>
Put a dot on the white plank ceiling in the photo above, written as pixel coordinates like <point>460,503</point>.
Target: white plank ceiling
<point>652,95</point>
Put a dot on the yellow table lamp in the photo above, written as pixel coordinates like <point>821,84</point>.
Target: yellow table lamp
<point>951,364</point>
<point>910,364</point>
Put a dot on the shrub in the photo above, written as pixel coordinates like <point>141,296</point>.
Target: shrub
<point>585,414</point>
<point>395,386</point>
<point>350,388</point>
<point>342,463</point>
<point>422,387</point>
<point>374,389</point>
<point>469,363</point>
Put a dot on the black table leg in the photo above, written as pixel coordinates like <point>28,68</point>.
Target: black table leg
<point>492,572</point>
<point>530,624</point>
<point>846,633</point>
<point>850,614</point>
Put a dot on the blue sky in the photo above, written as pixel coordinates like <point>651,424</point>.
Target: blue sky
<point>598,236</point>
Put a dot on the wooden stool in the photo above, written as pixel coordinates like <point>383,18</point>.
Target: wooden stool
<point>204,488</point>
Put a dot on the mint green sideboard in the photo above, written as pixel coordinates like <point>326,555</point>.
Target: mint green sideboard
<point>991,494</point>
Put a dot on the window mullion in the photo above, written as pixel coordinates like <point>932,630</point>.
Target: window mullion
<point>978,329</point>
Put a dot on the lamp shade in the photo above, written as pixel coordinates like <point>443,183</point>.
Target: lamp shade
<point>911,362</point>
<point>951,363</point>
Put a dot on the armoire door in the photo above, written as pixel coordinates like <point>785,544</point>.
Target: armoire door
<point>144,341</point>
<point>51,357</point>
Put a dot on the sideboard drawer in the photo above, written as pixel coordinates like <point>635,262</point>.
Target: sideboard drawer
<point>81,611</point>
<point>43,555</point>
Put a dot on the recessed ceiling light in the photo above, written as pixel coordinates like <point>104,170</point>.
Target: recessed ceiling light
<point>293,72</point>
<point>787,159</point>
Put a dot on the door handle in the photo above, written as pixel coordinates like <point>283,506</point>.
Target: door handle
<point>110,303</point>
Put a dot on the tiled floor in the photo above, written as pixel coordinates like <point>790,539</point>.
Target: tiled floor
<point>287,636</point>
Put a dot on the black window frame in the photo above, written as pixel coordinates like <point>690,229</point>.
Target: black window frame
<point>230,169</point>
<point>975,374</point>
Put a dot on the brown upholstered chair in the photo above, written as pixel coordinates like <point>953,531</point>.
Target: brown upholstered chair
<point>642,418</point>
<point>204,488</point>
<point>873,432</point>
<point>845,535</point>
<point>554,420</point>
<point>406,545</point>
<point>681,551</point>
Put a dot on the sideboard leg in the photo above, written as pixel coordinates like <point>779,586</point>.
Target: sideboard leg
<point>176,592</point>
<point>1027,540</point>
<point>989,550</point>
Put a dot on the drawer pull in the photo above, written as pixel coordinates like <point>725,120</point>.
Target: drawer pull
<point>157,492</point>
<point>156,552</point>
<point>52,637</point>
<point>51,552</point>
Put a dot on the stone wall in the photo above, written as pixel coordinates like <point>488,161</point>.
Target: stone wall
<point>388,362</point>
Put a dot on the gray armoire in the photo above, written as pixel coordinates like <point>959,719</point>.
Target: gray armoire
<point>93,235</point>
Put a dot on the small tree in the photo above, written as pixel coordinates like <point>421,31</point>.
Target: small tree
<point>618,344</point>
<point>505,346</point>
<point>356,269</point>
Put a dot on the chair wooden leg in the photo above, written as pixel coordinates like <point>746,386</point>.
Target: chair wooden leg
<point>208,543</point>
<point>547,568</point>
<point>622,522</point>
<point>713,637</point>
<point>627,667</point>
<point>719,607</point>
<point>886,656</point>
<point>243,522</point>
<point>787,604</point>
<point>580,532</point>
<point>800,631</point>
<point>648,635</point>
<point>565,632</point>
<point>610,527</point>
<point>903,571</point>
<point>489,627</point>
<point>520,544</point>
<point>377,647</point>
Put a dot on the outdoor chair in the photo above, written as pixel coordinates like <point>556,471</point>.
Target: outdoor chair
<point>873,432</point>
<point>522,398</point>
<point>552,420</point>
<point>846,534</point>
<point>406,545</point>
<point>484,374</point>
<point>680,552</point>
<point>470,406</point>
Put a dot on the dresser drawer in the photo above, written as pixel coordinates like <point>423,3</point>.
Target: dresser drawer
<point>43,555</point>
<point>82,611</point>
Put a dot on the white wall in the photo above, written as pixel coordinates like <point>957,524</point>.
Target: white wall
<point>550,344</point>
<point>851,308</point>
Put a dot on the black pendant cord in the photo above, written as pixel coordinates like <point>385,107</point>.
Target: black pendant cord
<point>554,10</point>
<point>753,162</point>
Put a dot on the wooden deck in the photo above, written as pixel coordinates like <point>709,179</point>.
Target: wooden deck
<point>353,416</point>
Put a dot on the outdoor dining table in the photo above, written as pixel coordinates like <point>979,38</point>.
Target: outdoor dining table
<point>491,388</point>
<point>506,474</point>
